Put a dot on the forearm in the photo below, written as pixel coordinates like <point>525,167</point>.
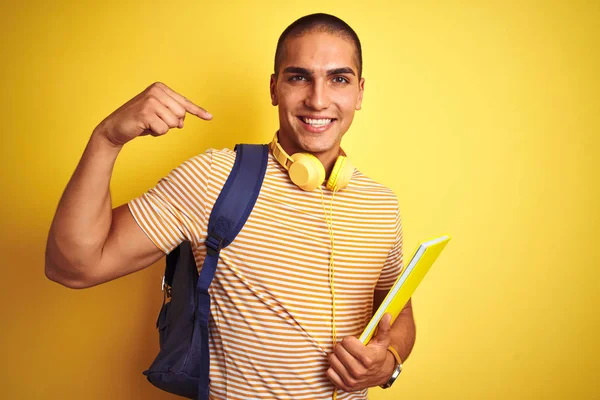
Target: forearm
<point>402,339</point>
<point>403,332</point>
<point>84,213</point>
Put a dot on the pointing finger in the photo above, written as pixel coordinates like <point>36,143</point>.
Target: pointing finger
<point>186,103</point>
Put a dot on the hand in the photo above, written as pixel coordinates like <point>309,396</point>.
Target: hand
<point>355,366</point>
<point>152,112</point>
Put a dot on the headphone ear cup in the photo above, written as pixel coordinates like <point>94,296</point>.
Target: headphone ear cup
<point>306,171</point>
<point>340,174</point>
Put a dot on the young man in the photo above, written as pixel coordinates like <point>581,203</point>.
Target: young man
<point>295,289</point>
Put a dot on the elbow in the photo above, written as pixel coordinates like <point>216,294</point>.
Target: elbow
<point>68,277</point>
<point>69,283</point>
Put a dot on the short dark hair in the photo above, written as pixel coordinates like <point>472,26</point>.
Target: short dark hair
<point>319,23</point>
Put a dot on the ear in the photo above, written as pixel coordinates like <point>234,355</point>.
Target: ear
<point>273,89</point>
<point>361,89</point>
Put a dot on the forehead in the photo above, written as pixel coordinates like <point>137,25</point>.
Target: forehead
<point>319,51</point>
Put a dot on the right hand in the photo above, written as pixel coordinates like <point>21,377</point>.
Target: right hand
<point>152,112</point>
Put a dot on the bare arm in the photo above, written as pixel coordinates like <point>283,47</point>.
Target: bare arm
<point>89,242</point>
<point>83,221</point>
<point>403,331</point>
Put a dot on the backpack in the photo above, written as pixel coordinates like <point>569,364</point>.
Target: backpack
<point>182,364</point>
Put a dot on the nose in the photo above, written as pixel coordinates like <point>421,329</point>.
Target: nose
<point>317,97</point>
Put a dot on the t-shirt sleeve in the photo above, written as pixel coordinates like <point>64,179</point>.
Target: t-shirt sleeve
<point>395,261</point>
<point>174,209</point>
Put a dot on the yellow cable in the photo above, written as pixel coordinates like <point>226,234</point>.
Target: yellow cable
<point>329,222</point>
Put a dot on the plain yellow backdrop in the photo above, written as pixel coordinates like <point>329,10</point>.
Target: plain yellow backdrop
<point>483,117</point>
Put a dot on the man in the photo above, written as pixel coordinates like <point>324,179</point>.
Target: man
<point>309,267</point>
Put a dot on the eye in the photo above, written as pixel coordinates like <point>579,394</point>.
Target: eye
<point>298,78</point>
<point>341,79</point>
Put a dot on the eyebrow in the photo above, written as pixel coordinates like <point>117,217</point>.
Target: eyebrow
<point>304,71</point>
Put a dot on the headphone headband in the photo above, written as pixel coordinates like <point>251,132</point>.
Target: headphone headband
<point>279,153</point>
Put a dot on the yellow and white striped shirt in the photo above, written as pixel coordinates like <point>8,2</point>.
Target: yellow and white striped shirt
<point>271,303</point>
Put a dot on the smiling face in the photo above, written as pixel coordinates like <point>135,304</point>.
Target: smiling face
<point>317,90</point>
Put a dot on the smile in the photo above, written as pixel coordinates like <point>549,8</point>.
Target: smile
<point>317,124</point>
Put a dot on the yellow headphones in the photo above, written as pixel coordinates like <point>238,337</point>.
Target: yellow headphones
<point>307,172</point>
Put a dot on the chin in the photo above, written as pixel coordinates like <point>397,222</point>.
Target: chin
<point>316,143</point>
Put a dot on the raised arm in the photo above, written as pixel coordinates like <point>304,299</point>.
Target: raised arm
<point>89,242</point>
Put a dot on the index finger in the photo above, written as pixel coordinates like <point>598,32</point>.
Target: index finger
<point>354,346</point>
<point>187,104</point>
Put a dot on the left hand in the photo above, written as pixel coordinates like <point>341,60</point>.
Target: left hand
<point>355,366</point>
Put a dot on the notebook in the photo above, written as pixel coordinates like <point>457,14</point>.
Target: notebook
<point>404,287</point>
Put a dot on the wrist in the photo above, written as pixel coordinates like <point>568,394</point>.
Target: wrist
<point>100,153</point>
<point>101,138</point>
<point>388,368</point>
<point>397,362</point>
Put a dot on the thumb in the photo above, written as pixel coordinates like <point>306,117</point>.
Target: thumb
<point>383,329</point>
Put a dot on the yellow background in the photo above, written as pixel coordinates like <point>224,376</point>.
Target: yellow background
<point>482,116</point>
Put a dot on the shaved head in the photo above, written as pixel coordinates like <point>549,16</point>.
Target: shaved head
<point>321,23</point>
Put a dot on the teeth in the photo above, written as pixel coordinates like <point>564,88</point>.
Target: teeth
<point>317,122</point>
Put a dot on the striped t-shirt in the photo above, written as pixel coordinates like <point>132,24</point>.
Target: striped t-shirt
<point>271,302</point>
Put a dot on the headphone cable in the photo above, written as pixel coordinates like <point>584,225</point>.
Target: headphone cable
<point>329,221</point>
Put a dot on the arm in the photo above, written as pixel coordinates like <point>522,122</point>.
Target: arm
<point>89,242</point>
<point>403,330</point>
<point>85,223</point>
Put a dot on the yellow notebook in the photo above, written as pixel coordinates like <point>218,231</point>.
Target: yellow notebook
<point>404,287</point>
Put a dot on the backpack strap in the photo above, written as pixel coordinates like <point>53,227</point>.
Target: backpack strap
<point>229,213</point>
<point>234,204</point>
<point>228,216</point>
